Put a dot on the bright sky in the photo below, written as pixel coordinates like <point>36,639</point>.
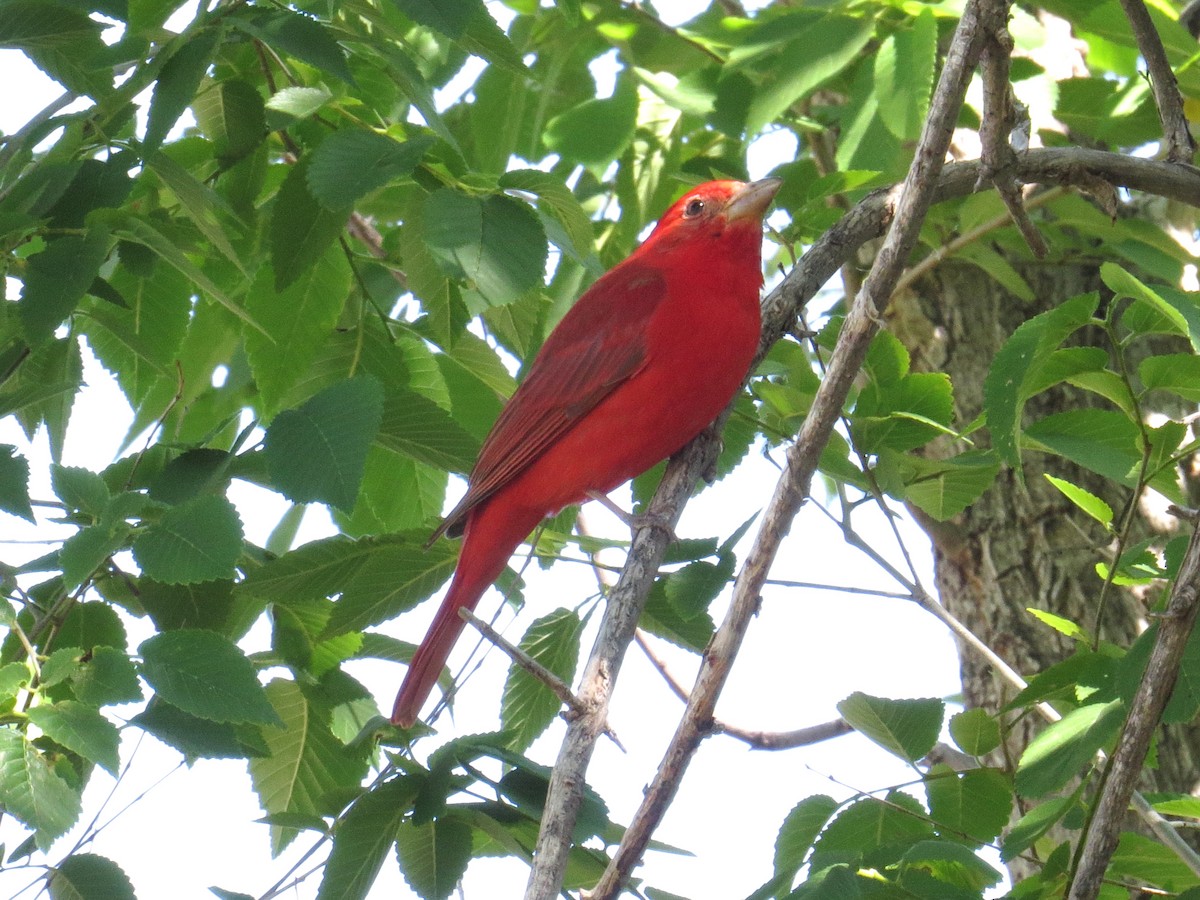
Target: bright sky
<point>187,829</point>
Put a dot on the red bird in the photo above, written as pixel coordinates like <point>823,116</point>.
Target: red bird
<point>640,365</point>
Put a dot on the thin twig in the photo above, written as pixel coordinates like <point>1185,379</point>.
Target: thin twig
<point>1145,711</point>
<point>1180,146</point>
<point>995,130</point>
<point>866,221</point>
<point>860,326</point>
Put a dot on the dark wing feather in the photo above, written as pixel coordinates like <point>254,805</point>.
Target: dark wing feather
<point>596,347</point>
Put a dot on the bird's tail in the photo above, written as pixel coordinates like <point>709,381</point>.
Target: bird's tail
<point>492,534</point>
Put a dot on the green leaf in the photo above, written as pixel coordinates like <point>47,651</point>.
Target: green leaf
<point>596,131</point>
<point>31,791</point>
<point>200,203</point>
<point>824,49</point>
<point>81,729</point>
<point>434,857</point>
<point>205,674</point>
<point>1125,285</point>
<point>1034,824</point>
<point>106,676</point>
<point>200,540</point>
<point>206,604</point>
<point>301,230</point>
<point>1175,372</point>
<point>975,804</point>
<point>1184,702</point>
<point>904,66</point>
<point>299,102</point>
<point>87,549</point>
<point>557,200</point>
<point>692,589</point>
<point>363,838</point>
<point>1102,440</point>
<point>415,426</point>
<point>495,242</point>
<point>232,115</point>
<point>952,868</point>
<point>378,578</point>
<point>942,488</point>
<point>529,706</point>
<point>450,17</point>
<point>296,321</point>
<point>56,279</point>
<point>177,84</point>
<point>1060,624</point>
<point>142,232</point>
<point>1061,751</point>
<point>1085,500</point>
<point>198,738</point>
<point>907,728</point>
<point>660,617</point>
<point>975,731</point>
<point>86,876</point>
<point>79,489</point>
<point>304,38</point>
<point>1141,859</point>
<point>868,824</point>
<point>36,25</point>
<point>799,832</point>
<point>14,483</point>
<point>308,768</point>
<point>1017,364</point>
<point>352,162</point>
<point>316,452</point>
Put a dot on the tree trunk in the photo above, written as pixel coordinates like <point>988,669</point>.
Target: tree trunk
<point>1022,544</point>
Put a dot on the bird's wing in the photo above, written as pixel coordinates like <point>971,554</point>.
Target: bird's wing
<point>599,344</point>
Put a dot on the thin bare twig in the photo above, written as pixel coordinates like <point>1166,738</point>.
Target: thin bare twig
<point>1180,146</point>
<point>866,221</point>
<point>561,689</point>
<point>1145,710</point>
<point>995,130</point>
<point>916,195</point>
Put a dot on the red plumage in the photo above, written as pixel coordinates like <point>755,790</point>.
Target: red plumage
<point>643,361</point>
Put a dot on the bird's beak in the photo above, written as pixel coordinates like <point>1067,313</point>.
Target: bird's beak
<point>752,200</point>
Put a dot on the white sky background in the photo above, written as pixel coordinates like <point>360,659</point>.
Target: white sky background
<point>806,651</point>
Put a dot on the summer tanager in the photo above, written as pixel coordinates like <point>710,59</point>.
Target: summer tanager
<point>642,362</point>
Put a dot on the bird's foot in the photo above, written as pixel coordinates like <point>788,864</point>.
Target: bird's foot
<point>634,521</point>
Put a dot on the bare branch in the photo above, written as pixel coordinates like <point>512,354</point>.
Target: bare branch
<point>1145,711</point>
<point>866,221</point>
<point>996,127</point>
<point>1180,146</point>
<point>786,740</point>
<point>860,326</point>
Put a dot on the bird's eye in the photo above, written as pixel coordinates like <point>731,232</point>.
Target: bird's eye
<point>694,208</point>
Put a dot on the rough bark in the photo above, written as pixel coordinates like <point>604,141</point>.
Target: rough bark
<point>1022,544</point>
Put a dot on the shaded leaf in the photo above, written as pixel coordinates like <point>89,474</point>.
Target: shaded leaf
<point>205,674</point>
<point>433,857</point>
<point>317,452</point>
<point>529,706</point>
<point>907,728</point>
<point>86,876</point>
<point>352,162</point>
<point>363,838</point>
<point>200,540</point>
<point>81,729</point>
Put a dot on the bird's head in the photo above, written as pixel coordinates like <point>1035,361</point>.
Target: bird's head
<point>716,208</point>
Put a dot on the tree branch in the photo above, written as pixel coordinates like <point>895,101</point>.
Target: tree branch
<point>866,221</point>
<point>857,331</point>
<point>1180,146</point>
<point>1145,710</point>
